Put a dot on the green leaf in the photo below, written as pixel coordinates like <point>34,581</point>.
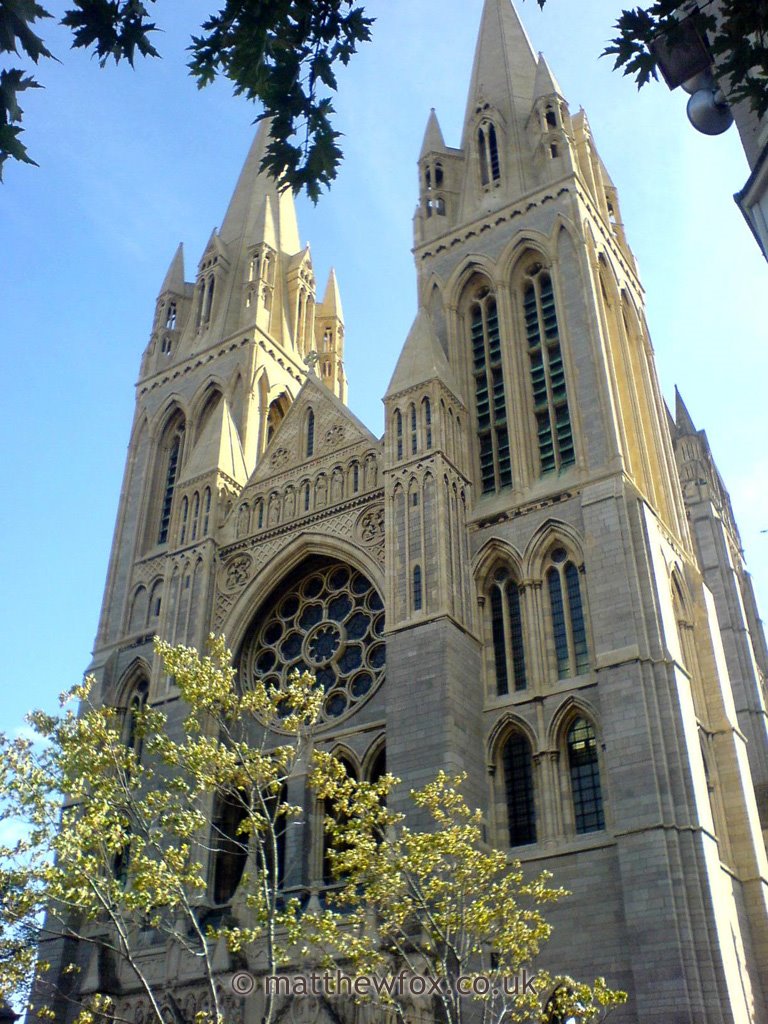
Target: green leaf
<point>16,16</point>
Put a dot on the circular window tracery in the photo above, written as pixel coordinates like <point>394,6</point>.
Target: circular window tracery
<point>330,623</point>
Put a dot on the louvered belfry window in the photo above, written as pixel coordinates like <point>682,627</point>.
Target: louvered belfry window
<point>172,468</point>
<point>490,400</point>
<point>550,399</point>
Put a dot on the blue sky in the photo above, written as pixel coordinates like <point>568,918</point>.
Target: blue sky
<point>132,162</point>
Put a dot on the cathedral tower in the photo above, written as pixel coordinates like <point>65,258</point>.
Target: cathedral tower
<point>512,582</point>
<point>612,730</point>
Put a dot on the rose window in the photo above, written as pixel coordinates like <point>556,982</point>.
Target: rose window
<point>329,623</point>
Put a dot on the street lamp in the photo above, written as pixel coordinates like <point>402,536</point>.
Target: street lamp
<point>683,58</point>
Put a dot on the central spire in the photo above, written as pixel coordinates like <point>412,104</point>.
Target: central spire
<point>504,68</point>
<point>256,190</point>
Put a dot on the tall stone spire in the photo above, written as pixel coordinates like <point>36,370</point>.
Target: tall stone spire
<point>504,68</point>
<point>499,102</point>
<point>260,218</point>
<point>245,213</point>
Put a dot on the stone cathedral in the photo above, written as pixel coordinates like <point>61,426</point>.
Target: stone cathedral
<point>534,576</point>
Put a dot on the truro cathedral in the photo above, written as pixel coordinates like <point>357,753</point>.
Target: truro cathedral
<point>534,577</point>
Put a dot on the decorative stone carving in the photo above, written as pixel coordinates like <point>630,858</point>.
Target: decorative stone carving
<point>334,434</point>
<point>370,525</point>
<point>331,623</point>
<point>145,572</point>
<point>344,525</point>
<point>237,571</point>
<point>279,457</point>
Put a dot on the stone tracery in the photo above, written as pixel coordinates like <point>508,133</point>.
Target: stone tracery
<point>330,622</point>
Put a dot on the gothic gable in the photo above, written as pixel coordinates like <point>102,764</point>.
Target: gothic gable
<point>320,458</point>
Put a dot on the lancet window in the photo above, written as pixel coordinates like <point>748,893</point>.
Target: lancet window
<point>310,433</point>
<point>567,615</point>
<point>584,771</point>
<point>550,399</point>
<point>518,790</point>
<point>490,400</point>
<point>488,151</point>
<point>206,510</point>
<point>427,410</point>
<point>173,458</point>
<point>507,632</point>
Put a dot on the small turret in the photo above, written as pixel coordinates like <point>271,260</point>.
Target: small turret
<point>329,339</point>
<point>549,125</point>
<point>171,313</point>
<point>426,477</point>
<point>699,476</point>
<point>439,183</point>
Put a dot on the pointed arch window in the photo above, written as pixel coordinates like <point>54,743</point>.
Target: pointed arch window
<point>518,790</point>
<point>200,305</point>
<point>568,626</point>
<point>584,770</point>
<point>210,406</point>
<point>170,316</point>
<point>490,401</point>
<point>330,810</point>
<point>300,311</point>
<point>488,151</point>
<point>230,846</point>
<point>426,406</point>
<point>414,435</point>
<point>195,515</point>
<point>136,705</point>
<point>275,414</point>
<point>310,433</point>
<point>171,472</point>
<point>417,590</point>
<point>209,299</point>
<point>184,517</point>
<point>399,433</point>
<point>206,510</point>
<point>550,399</point>
<point>507,631</point>
<point>134,741</point>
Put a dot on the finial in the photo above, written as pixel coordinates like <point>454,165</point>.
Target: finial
<point>310,361</point>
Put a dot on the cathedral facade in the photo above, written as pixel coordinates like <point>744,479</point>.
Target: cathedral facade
<point>533,577</point>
